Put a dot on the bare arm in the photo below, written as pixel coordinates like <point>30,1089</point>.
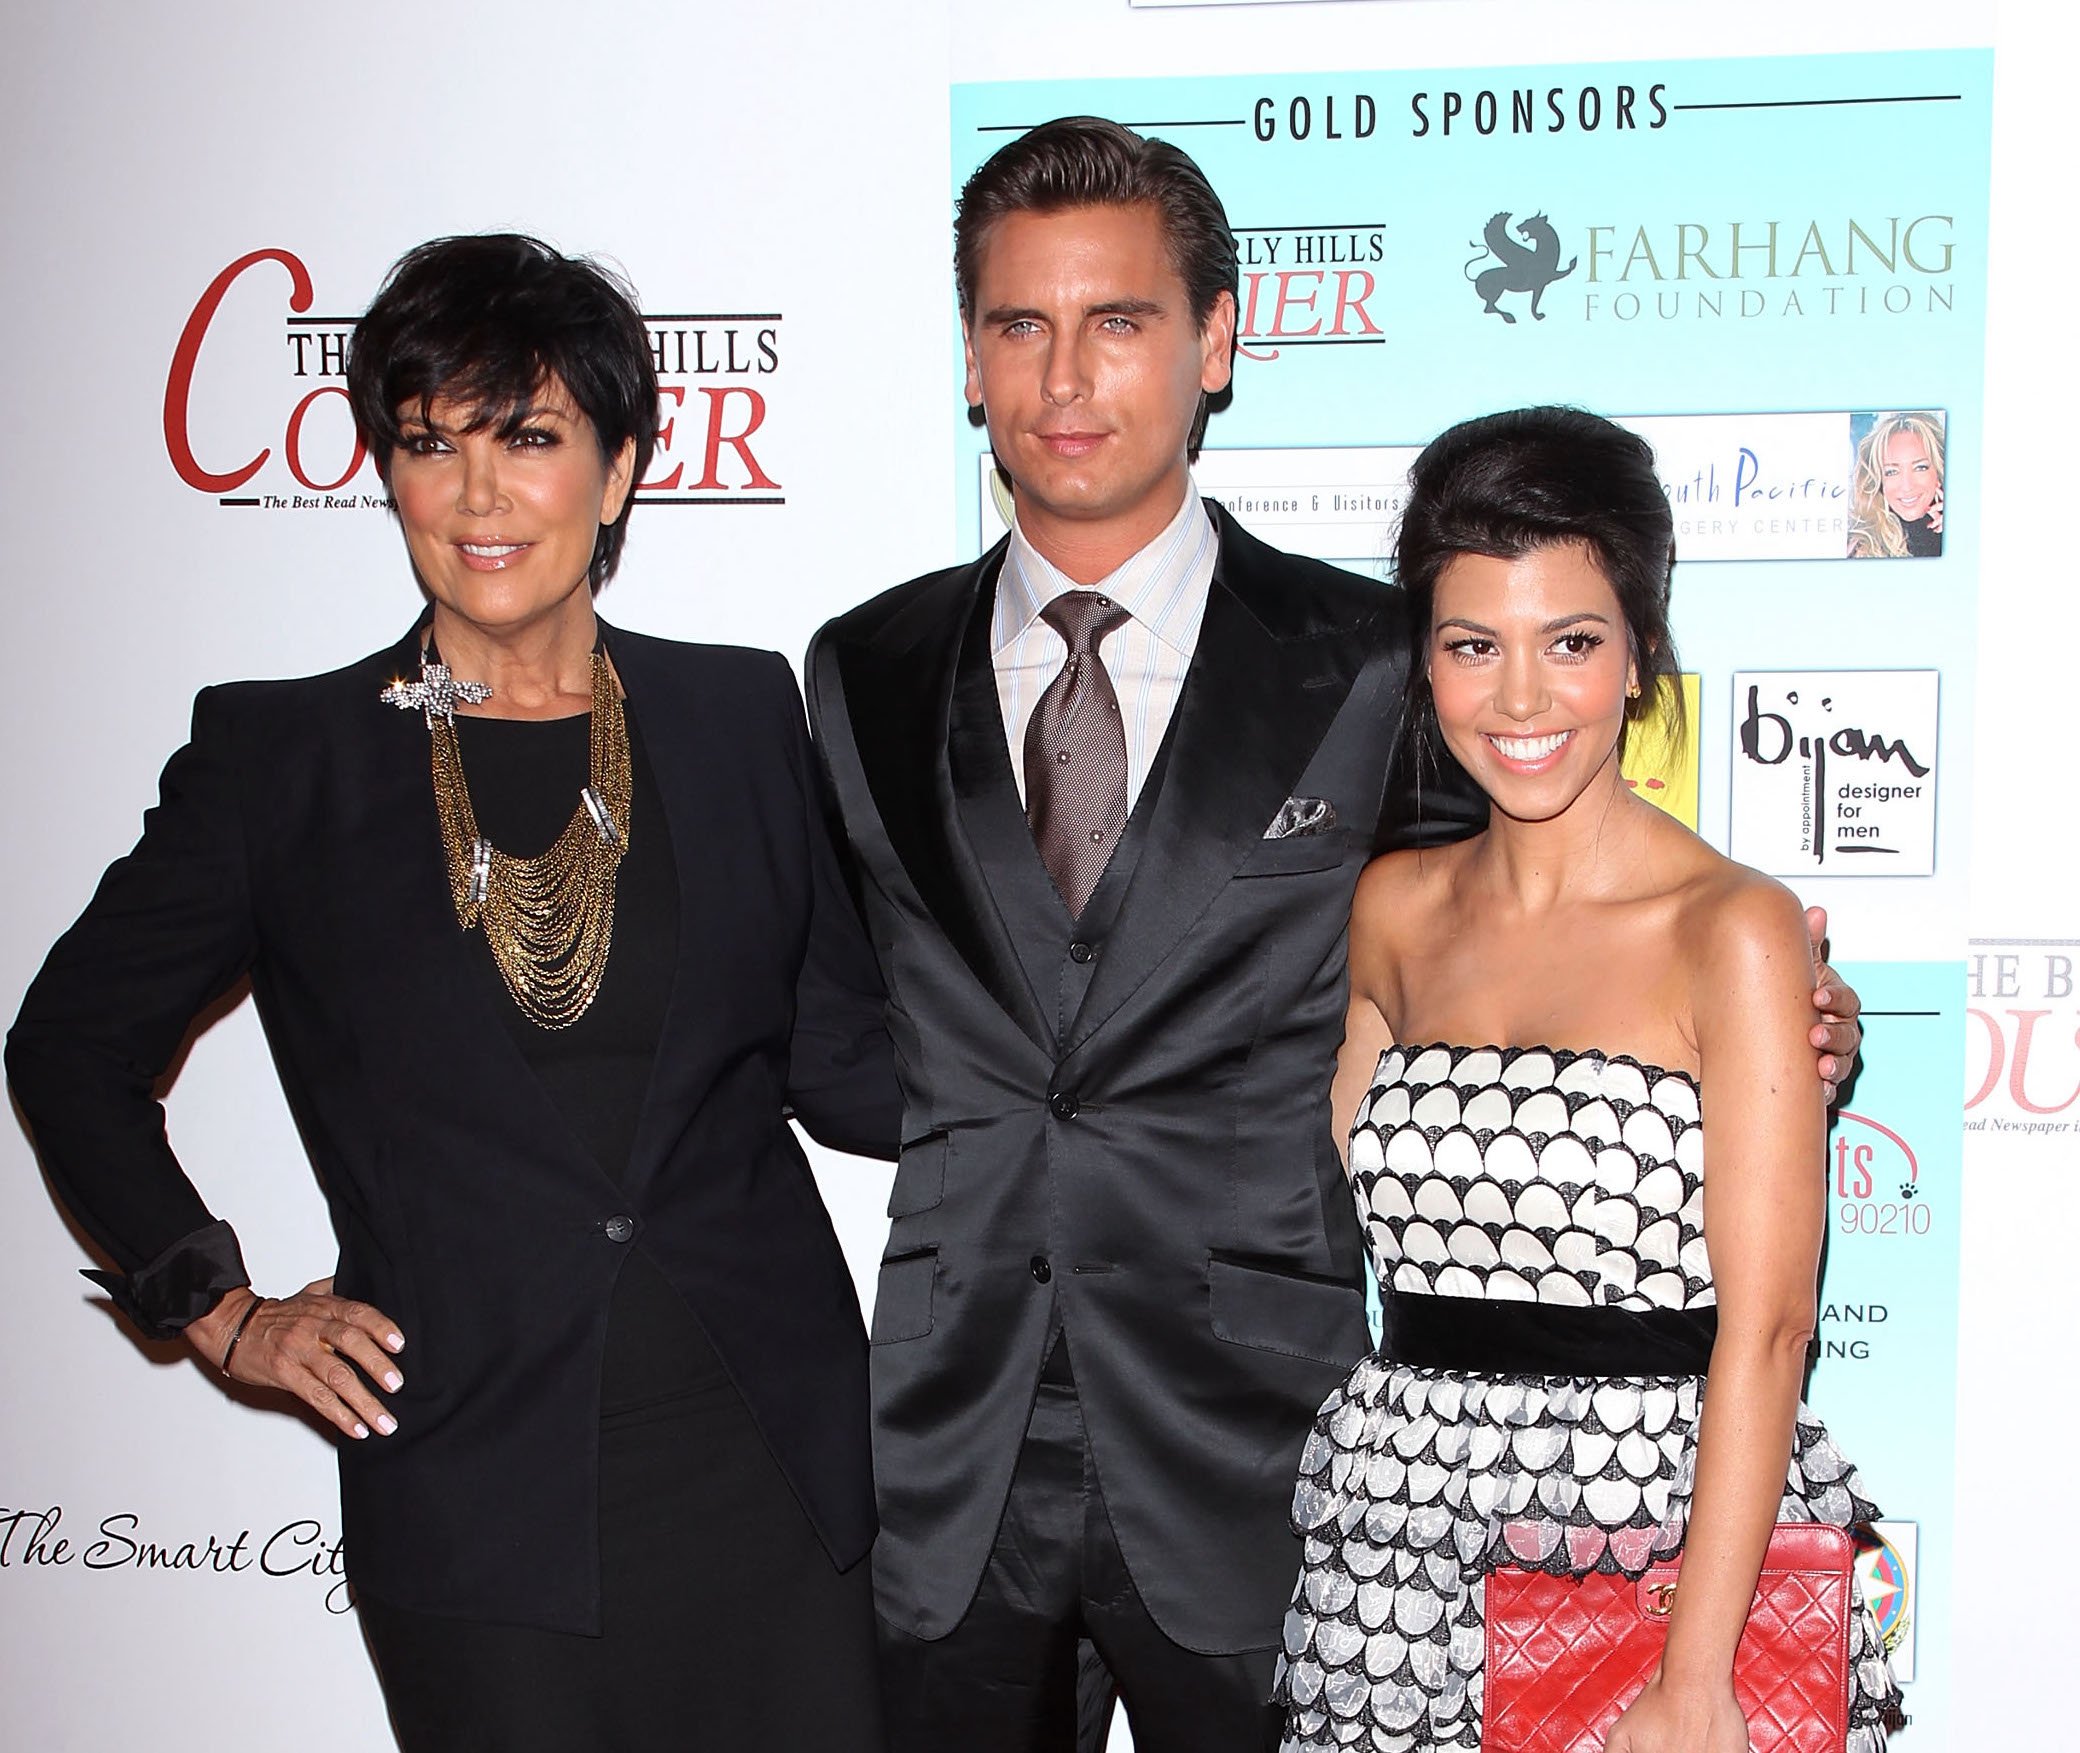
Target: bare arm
<point>1764,1213</point>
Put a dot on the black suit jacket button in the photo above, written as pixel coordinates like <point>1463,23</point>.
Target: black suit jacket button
<point>1083,952</point>
<point>1042,1272</point>
<point>1063,1105</point>
<point>620,1227</point>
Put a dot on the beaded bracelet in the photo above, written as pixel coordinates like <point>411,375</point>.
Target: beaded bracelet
<point>238,1333</point>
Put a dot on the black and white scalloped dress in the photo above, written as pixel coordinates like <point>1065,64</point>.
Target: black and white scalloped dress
<point>1488,1181</point>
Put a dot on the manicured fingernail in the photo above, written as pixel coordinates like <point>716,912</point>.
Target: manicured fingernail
<point>394,1340</point>
<point>386,1424</point>
<point>360,1431</point>
<point>392,1380</point>
<point>1825,995</point>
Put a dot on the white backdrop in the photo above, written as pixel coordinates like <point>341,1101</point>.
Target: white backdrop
<point>790,159</point>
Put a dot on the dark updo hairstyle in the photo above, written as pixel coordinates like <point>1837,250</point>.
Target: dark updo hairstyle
<point>486,322</point>
<point>1088,161</point>
<point>1507,484</point>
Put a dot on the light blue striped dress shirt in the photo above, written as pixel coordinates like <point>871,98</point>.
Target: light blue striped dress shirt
<point>1162,587</point>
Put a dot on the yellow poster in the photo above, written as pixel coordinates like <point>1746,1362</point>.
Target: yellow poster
<point>1661,754</point>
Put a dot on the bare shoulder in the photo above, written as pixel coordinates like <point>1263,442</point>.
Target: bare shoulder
<point>1397,884</point>
<point>1398,899</point>
<point>1743,928</point>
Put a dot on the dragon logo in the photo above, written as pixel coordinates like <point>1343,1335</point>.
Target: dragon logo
<point>1530,266</point>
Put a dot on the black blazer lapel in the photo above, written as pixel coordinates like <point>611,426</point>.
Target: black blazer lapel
<point>1263,687</point>
<point>674,770</point>
<point>899,686</point>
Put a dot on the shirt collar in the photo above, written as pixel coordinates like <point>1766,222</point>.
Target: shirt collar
<point>1163,585</point>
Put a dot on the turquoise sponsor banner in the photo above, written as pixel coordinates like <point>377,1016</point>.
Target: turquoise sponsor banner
<point>1885,1362</point>
<point>1769,234</point>
<point>1773,268</point>
<point>1752,261</point>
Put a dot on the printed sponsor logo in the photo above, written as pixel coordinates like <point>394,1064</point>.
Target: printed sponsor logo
<point>1887,1556</point>
<point>37,1541</point>
<point>257,417</point>
<point>1834,772</point>
<point>2022,1039</point>
<point>1526,258</point>
<point>1716,268</point>
<point>1876,1179</point>
<point>1740,486</point>
<point>1307,286</point>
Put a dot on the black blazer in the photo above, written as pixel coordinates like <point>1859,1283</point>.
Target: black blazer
<point>296,839</point>
<point>1121,1126</point>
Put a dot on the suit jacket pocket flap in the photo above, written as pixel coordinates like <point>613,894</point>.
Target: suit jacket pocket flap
<point>903,1298</point>
<point>920,1181</point>
<point>1296,852</point>
<point>1272,1310</point>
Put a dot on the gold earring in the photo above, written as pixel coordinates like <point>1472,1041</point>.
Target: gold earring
<point>1632,692</point>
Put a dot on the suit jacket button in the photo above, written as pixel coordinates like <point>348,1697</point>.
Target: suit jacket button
<point>620,1227</point>
<point>1063,1105</point>
<point>1042,1272</point>
<point>1083,952</point>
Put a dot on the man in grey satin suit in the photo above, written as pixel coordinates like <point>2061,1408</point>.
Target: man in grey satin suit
<point>1108,790</point>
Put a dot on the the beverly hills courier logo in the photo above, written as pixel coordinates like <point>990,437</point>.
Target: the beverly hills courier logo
<point>255,410</point>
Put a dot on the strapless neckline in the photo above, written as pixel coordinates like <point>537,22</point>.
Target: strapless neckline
<point>1562,1057</point>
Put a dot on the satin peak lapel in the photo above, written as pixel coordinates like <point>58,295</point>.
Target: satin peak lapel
<point>899,686</point>
<point>1254,709</point>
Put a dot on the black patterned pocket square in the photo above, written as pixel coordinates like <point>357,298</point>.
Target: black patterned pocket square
<point>1301,815</point>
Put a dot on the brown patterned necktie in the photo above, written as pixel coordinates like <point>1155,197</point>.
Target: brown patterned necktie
<point>1076,752</point>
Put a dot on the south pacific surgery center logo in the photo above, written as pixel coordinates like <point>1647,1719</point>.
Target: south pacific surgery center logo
<point>257,417</point>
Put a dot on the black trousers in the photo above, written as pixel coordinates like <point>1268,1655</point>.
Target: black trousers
<point>1006,1679</point>
<point>726,1628</point>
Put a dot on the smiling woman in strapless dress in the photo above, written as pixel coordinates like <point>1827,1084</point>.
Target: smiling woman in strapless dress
<point>1546,1022</point>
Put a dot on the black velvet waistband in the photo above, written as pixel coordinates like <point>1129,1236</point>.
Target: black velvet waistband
<point>1545,1339</point>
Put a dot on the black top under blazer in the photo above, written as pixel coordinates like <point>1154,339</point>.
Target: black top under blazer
<point>1119,1128</point>
<point>296,840</point>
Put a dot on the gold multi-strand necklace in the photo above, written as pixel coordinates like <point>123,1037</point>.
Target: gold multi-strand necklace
<point>549,920</point>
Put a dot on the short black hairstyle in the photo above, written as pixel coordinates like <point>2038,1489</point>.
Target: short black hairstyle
<point>1506,484</point>
<point>486,321</point>
<point>1087,161</point>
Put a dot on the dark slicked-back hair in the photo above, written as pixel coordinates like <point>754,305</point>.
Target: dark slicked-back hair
<point>487,322</point>
<point>1506,484</point>
<point>1087,161</point>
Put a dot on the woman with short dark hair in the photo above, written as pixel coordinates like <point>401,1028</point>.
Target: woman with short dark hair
<point>549,940</point>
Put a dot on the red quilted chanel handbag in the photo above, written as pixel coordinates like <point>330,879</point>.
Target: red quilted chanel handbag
<point>1567,1654</point>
